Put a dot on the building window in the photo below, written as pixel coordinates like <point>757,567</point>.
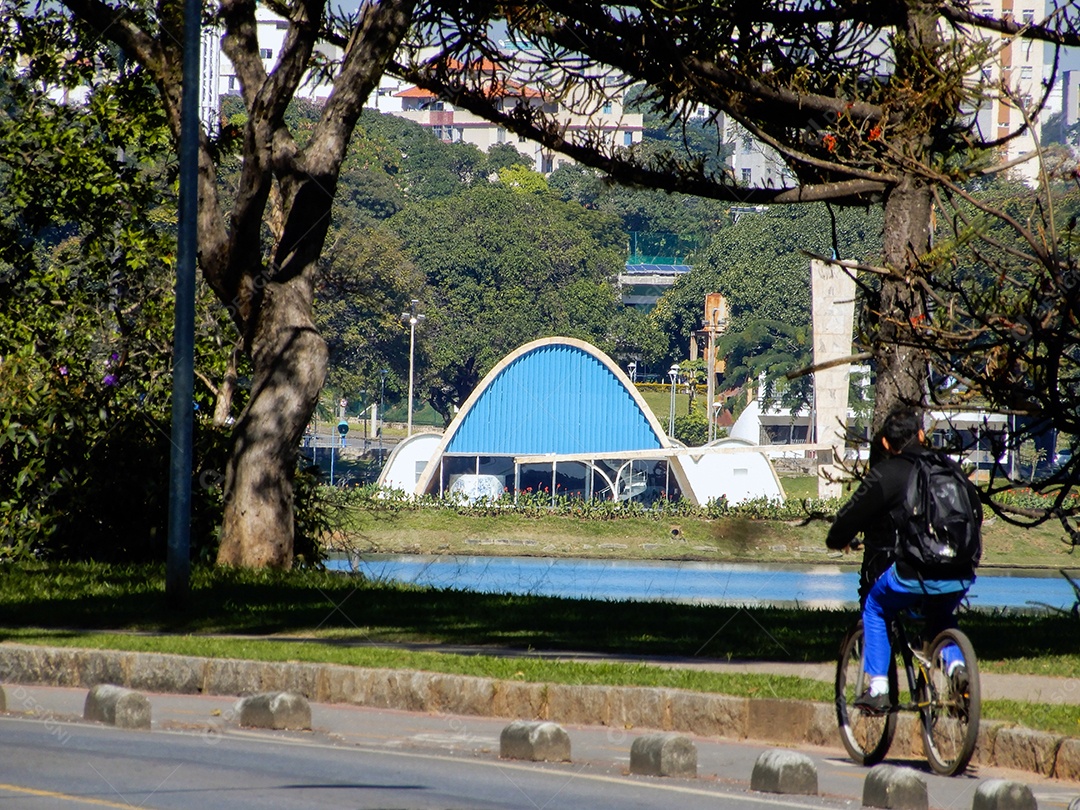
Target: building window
<point>522,139</point>
<point>546,164</point>
<point>266,53</point>
<point>281,25</point>
<point>746,176</point>
<point>607,108</point>
<point>628,138</point>
<point>232,82</point>
<point>1029,16</point>
<point>500,135</point>
<point>1025,72</point>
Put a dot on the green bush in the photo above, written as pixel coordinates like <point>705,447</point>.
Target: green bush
<point>537,504</point>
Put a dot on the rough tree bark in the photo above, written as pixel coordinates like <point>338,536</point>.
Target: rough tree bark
<point>902,368</point>
<point>286,189</point>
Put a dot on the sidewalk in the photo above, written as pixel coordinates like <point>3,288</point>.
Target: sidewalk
<point>600,749</point>
<point>707,715</point>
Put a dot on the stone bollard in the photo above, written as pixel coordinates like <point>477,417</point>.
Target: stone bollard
<point>663,755</point>
<point>537,741</point>
<point>1001,794</point>
<point>117,706</point>
<point>895,789</point>
<point>779,771</point>
<point>279,710</point>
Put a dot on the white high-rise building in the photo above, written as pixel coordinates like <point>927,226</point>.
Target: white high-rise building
<point>393,96</point>
<point>1021,66</point>
<point>219,76</point>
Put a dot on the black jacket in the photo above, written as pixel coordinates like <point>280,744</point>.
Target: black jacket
<point>869,511</point>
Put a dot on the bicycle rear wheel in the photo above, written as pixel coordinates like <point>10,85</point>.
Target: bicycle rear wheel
<point>866,737</point>
<point>951,705</point>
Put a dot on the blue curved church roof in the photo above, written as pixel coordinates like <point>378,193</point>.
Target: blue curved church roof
<point>554,398</point>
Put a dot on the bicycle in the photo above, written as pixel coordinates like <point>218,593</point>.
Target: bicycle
<point>948,708</point>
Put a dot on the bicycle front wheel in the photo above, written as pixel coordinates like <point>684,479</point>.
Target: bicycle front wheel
<point>951,703</point>
<point>866,737</point>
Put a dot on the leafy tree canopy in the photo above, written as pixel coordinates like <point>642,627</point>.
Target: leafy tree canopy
<point>505,265</point>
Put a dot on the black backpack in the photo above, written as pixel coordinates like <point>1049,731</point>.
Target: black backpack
<point>938,530</point>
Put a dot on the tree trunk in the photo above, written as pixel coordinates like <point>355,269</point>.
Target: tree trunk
<point>289,359</point>
<point>902,370</point>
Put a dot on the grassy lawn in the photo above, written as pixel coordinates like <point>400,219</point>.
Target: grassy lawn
<point>321,616</point>
<point>408,530</point>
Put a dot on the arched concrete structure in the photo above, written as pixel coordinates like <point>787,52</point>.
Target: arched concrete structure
<point>407,461</point>
<point>738,477</point>
<point>554,397</point>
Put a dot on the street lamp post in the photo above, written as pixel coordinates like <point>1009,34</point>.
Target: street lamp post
<point>673,373</point>
<point>412,317</point>
<point>382,400</point>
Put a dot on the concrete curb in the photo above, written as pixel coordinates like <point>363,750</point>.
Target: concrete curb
<point>780,771</point>
<point>702,714</point>
<point>895,788</point>
<point>536,741</point>
<point>281,710</point>
<point>117,706</point>
<point>664,755</point>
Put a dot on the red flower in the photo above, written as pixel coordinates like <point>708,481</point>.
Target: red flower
<point>829,141</point>
<point>875,132</point>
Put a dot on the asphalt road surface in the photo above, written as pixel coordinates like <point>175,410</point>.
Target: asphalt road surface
<point>82,766</point>
<point>362,758</point>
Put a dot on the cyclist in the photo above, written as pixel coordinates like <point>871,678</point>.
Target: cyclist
<point>888,584</point>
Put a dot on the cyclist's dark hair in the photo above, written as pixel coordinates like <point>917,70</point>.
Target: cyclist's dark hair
<point>901,428</point>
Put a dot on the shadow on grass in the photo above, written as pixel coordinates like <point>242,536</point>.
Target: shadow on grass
<point>344,609</point>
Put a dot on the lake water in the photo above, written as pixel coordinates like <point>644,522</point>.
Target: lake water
<point>687,582</point>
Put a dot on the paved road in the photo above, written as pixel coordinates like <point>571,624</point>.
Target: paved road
<point>366,758</point>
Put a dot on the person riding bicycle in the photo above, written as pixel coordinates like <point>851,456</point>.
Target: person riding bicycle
<point>887,583</point>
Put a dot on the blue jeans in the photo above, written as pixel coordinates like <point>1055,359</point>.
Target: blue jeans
<point>886,598</point>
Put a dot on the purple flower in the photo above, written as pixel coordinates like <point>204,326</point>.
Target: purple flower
<point>110,380</point>
<point>63,371</point>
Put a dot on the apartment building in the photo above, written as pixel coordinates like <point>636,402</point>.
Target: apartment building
<point>1021,66</point>
<point>445,121</point>
<point>617,127</point>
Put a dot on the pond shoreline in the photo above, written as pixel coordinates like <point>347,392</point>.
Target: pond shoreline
<point>777,584</point>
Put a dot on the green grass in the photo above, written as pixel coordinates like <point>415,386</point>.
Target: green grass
<point>427,530</point>
<point>347,608</point>
<point>1051,717</point>
<point>329,617</point>
<point>800,486</point>
<point>529,669</point>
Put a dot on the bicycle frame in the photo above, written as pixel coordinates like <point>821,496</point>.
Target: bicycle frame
<point>948,706</point>
<point>901,645</point>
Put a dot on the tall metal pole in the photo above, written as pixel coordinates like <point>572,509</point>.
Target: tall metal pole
<point>710,386</point>
<point>412,317</point>
<point>412,356</point>
<point>178,555</point>
<point>673,372</point>
<point>382,400</point>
